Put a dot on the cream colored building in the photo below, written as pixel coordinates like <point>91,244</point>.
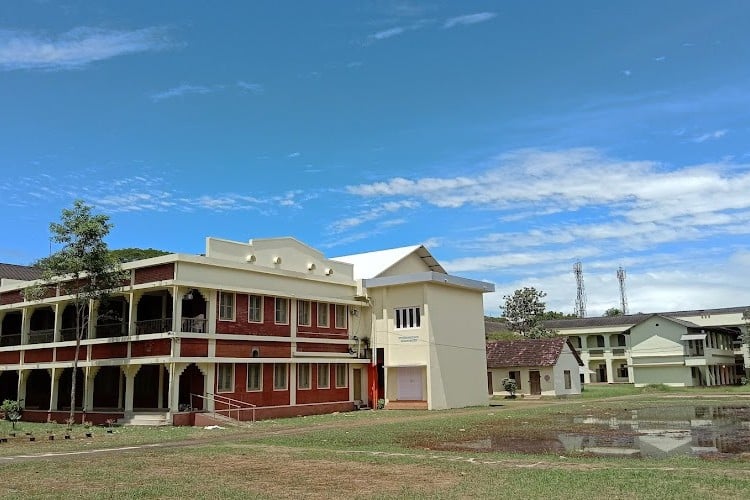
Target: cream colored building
<point>630,348</point>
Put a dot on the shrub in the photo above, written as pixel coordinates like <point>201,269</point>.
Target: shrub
<point>11,409</point>
<point>510,385</point>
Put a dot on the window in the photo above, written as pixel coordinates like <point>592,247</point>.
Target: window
<point>341,375</point>
<point>568,383</point>
<point>408,317</point>
<point>282,311</point>
<point>279,377</point>
<point>517,377</point>
<point>255,309</point>
<point>226,306</point>
<point>303,376</point>
<point>623,370</point>
<point>323,314</point>
<point>303,312</point>
<point>324,376</point>
<point>254,377</point>
<point>226,378</point>
<point>340,316</point>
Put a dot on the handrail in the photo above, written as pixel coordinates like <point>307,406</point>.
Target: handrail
<point>233,404</point>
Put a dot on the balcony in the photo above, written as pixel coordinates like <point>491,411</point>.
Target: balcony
<point>147,326</point>
<point>111,330</point>
<point>7,340</point>
<point>195,325</point>
<point>69,334</point>
<point>618,351</point>
<point>596,352</point>
<point>41,336</point>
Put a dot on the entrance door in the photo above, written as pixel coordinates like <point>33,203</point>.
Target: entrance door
<point>357,381</point>
<point>535,383</point>
<point>410,384</point>
<point>489,383</point>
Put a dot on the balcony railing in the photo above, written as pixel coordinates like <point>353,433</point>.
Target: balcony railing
<point>618,351</point>
<point>598,351</point>
<point>41,336</point>
<point>10,339</point>
<point>196,325</point>
<point>110,330</point>
<point>159,325</point>
<point>69,334</point>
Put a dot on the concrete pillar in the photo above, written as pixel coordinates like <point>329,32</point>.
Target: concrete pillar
<point>23,377</point>
<point>293,325</point>
<point>209,382</point>
<point>54,375</point>
<point>130,372</point>
<point>26,313</point>
<point>58,308</point>
<point>93,317</point>
<point>610,368</point>
<point>211,301</point>
<point>88,386</point>
<point>175,370</point>
<point>176,292</point>
<point>133,299</point>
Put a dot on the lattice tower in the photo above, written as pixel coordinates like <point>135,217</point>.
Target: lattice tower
<point>580,309</point>
<point>623,297</point>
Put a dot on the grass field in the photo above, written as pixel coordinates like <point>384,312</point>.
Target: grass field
<point>378,454</point>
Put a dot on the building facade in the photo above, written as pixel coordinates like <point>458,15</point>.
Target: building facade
<point>703,346</point>
<point>249,330</point>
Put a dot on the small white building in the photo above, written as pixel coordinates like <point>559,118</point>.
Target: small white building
<point>545,367</point>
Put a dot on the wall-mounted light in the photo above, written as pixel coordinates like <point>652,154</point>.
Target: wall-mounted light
<point>328,271</point>
<point>250,258</point>
<point>311,266</point>
<point>276,260</point>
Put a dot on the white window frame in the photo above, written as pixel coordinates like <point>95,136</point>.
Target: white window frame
<point>223,306</point>
<point>276,386</point>
<point>259,367</point>
<point>342,368</point>
<point>324,306</point>
<point>407,318</point>
<point>304,367</point>
<point>277,301</point>
<point>260,307</point>
<point>324,368</point>
<point>340,307</point>
<point>219,387</point>
<point>304,313</point>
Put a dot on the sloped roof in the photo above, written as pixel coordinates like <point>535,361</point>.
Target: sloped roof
<point>16,272</point>
<point>531,352</point>
<point>373,264</point>
<point>634,319</point>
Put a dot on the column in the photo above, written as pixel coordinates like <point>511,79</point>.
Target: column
<point>175,370</point>
<point>26,313</point>
<point>88,387</point>
<point>23,376</point>
<point>133,299</point>
<point>211,300</point>
<point>176,308</point>
<point>610,369</point>
<point>93,315</point>
<point>293,324</point>
<point>209,381</point>
<point>54,375</point>
<point>130,372</point>
<point>58,308</point>
<point>293,383</point>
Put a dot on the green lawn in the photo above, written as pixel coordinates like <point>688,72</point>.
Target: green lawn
<point>380,454</point>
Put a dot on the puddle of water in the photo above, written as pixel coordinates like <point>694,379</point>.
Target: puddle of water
<point>647,432</point>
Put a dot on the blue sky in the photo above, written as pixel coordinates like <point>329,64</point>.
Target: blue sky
<point>512,138</point>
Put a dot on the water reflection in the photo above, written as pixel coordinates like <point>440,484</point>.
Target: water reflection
<point>646,432</point>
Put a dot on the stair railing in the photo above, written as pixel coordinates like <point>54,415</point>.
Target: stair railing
<point>233,405</point>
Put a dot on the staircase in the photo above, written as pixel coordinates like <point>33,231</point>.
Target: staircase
<point>153,419</point>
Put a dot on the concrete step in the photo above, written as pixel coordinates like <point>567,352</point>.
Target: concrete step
<point>149,419</point>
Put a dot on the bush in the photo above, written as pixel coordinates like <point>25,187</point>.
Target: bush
<point>11,410</point>
<point>510,385</point>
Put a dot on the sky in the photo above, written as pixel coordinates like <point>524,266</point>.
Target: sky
<point>512,138</point>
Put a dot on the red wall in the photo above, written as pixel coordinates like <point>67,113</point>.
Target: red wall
<point>241,325</point>
<point>193,348</point>
<point>244,349</point>
<point>68,353</point>
<point>105,351</point>
<point>11,297</point>
<point>309,347</point>
<point>154,273</point>
<point>161,347</point>
<point>315,395</point>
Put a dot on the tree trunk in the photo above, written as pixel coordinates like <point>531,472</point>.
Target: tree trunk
<point>79,334</point>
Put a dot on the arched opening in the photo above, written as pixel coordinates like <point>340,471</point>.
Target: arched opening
<point>68,327</point>
<point>146,387</point>
<point>112,319</point>
<point>193,312</point>
<point>154,313</point>
<point>107,388</point>
<point>192,382</point>
<point>63,389</point>
<point>42,325</point>
<point>11,330</point>
<point>8,385</point>
<point>38,390</point>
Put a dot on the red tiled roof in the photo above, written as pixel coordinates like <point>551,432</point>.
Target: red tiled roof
<point>16,272</point>
<point>532,352</point>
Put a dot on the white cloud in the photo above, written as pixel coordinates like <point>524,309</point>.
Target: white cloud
<point>372,214</point>
<point>254,88</point>
<point>467,19</point>
<point>716,134</point>
<point>76,48</point>
<point>181,90</point>
<point>382,35</point>
<point>294,155</point>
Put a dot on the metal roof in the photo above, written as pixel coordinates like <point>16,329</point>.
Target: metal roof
<point>373,264</point>
<point>22,273</point>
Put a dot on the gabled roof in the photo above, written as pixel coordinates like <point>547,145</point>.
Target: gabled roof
<point>634,319</point>
<point>16,272</point>
<point>373,264</point>
<point>531,352</point>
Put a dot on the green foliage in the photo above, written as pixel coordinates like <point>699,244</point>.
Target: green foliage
<point>130,254</point>
<point>524,312</point>
<point>11,409</point>
<point>510,385</point>
<point>549,315</point>
<point>613,311</point>
<point>83,268</point>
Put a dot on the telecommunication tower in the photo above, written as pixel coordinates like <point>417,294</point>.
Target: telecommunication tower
<point>580,309</point>
<point>623,297</point>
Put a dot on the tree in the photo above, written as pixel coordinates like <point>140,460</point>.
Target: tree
<point>524,311</point>
<point>122,255</point>
<point>510,385</point>
<point>83,269</point>
<point>613,311</point>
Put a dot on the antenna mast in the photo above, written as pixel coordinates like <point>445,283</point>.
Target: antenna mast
<point>623,297</point>
<point>580,309</point>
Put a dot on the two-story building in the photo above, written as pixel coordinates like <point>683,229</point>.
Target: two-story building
<point>252,330</point>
